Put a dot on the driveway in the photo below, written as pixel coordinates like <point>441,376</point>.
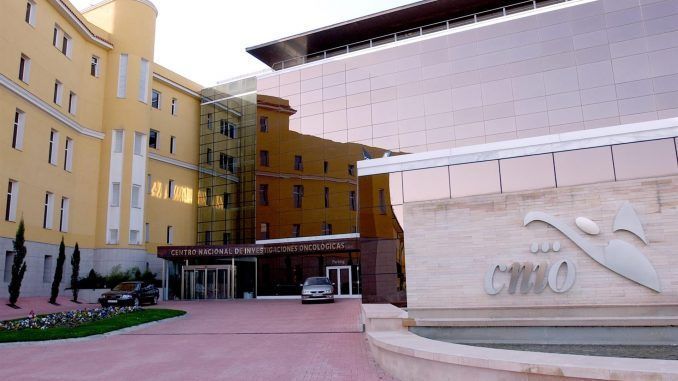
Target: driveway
<point>220,340</point>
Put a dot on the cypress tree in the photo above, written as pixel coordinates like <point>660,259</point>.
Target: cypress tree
<point>75,266</point>
<point>19,265</point>
<point>59,272</point>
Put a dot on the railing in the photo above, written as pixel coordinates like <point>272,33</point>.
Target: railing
<point>522,6</point>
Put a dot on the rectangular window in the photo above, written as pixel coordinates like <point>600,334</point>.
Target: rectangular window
<point>227,162</point>
<point>296,230</point>
<point>115,195</point>
<point>170,190</point>
<point>143,80</point>
<point>208,237</point>
<point>58,92</point>
<point>72,103</point>
<point>136,196</point>
<point>264,228</point>
<point>174,106</point>
<point>63,218</point>
<point>118,139</point>
<point>208,196</point>
<point>351,170</point>
<point>9,261</point>
<point>352,200</point>
<point>382,201</point>
<point>263,158</point>
<point>134,237</point>
<point>12,198</point>
<point>263,124</point>
<point>226,238</point>
<point>147,232</point>
<point>24,68</point>
<point>56,36</point>
<point>138,144</point>
<point>170,235</point>
<point>122,76</point>
<point>30,12</point>
<point>327,228</point>
<point>227,200</point>
<point>263,194</point>
<point>68,155</point>
<point>209,156</point>
<point>149,183</point>
<point>53,147</point>
<point>94,67</point>
<point>113,236</point>
<point>18,130</point>
<point>48,215</point>
<point>153,139</point>
<point>210,121</point>
<point>297,195</point>
<point>327,197</point>
<point>298,163</point>
<point>47,269</point>
<point>155,99</point>
<point>326,166</point>
<point>227,129</point>
<point>173,144</point>
<point>67,45</point>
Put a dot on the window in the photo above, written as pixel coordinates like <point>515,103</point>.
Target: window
<point>117,141</point>
<point>155,99</point>
<point>149,183</point>
<point>153,139</point>
<point>136,196</point>
<point>208,196</point>
<point>170,190</point>
<point>208,237</point>
<point>24,68</point>
<point>227,200</point>
<point>47,217</point>
<point>94,67</point>
<point>138,144</point>
<point>227,128</point>
<point>327,228</point>
<point>62,41</point>
<point>210,120</point>
<point>263,158</point>
<point>143,80</point>
<point>264,228</point>
<point>170,235</point>
<point>352,200</point>
<point>63,217</point>
<point>298,164</point>
<point>174,106</point>
<point>296,230</point>
<point>147,232</point>
<point>58,92</point>
<point>227,162</point>
<point>68,155</point>
<point>327,197</point>
<point>67,46</point>
<point>53,147</point>
<point>226,238</point>
<point>134,237</point>
<point>115,195</point>
<point>72,103</point>
<point>382,202</point>
<point>297,194</point>
<point>122,76</point>
<point>263,124</point>
<point>113,236</point>
<point>30,12</point>
<point>351,170</point>
<point>326,166</point>
<point>47,269</point>
<point>173,144</point>
<point>18,130</point>
<point>12,198</point>
<point>209,156</point>
<point>9,261</point>
<point>263,194</point>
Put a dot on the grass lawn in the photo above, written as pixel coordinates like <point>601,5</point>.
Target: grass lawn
<point>89,329</point>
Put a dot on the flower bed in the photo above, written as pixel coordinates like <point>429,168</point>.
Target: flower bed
<point>65,319</point>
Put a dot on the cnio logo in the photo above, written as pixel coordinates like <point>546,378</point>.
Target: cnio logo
<point>618,256</point>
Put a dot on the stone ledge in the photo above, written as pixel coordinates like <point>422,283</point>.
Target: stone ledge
<point>546,322</point>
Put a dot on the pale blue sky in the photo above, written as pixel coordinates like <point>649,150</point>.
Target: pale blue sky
<point>205,40</point>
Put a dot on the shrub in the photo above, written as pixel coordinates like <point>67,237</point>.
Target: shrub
<point>58,272</point>
<point>75,265</point>
<point>19,265</point>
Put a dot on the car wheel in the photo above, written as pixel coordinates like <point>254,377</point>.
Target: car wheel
<point>136,302</point>
<point>155,300</point>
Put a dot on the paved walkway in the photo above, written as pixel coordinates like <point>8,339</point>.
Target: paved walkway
<point>222,340</point>
<point>39,305</point>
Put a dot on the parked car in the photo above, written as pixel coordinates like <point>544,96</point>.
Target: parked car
<point>317,288</point>
<point>130,294</point>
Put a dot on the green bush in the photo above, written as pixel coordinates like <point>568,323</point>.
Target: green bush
<point>96,280</point>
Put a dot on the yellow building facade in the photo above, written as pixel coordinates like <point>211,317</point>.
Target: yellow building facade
<point>100,145</point>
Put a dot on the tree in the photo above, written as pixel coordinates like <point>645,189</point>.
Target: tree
<point>75,266</point>
<point>19,265</point>
<point>59,272</point>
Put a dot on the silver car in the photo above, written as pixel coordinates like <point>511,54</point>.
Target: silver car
<point>317,288</point>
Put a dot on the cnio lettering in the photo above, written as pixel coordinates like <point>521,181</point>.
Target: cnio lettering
<point>527,276</point>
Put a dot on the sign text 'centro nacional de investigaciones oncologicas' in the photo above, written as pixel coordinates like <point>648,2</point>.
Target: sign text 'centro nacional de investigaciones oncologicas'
<point>330,246</point>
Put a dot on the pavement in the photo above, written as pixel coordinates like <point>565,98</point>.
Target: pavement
<point>39,305</point>
<point>216,340</point>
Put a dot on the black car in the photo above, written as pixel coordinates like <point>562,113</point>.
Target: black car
<point>130,294</point>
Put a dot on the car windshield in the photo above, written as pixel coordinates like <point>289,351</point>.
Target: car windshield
<point>316,281</point>
<point>125,287</point>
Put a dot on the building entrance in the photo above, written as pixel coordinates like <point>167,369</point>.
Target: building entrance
<point>342,278</point>
<point>207,282</point>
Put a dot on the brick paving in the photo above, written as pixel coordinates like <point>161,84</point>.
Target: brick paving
<point>39,305</point>
<point>221,340</point>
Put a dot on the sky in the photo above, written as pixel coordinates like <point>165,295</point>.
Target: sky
<point>205,40</point>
